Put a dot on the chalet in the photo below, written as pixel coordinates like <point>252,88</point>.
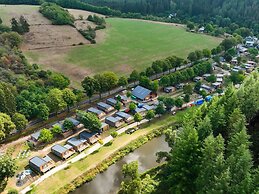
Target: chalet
<point>78,144</point>
<point>104,126</point>
<point>114,121</point>
<point>219,80</point>
<point>216,85</point>
<point>141,111</point>
<point>141,93</point>
<point>111,101</point>
<point>41,165</point>
<point>97,112</point>
<point>207,88</point>
<point>34,139</point>
<point>148,107</point>
<point>63,152</point>
<point>197,79</point>
<point>219,75</point>
<point>65,132</point>
<point>76,123</point>
<point>205,76</point>
<point>169,89</point>
<point>126,117</point>
<point>91,138</point>
<point>123,99</point>
<point>105,107</point>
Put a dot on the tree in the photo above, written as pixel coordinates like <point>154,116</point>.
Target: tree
<point>55,100</point>
<point>240,163</point>
<point>160,109</point>
<point>68,124</point>
<point>178,102</point>
<point>118,106</point>
<point>111,79</point>
<point>15,26</point>
<point>56,130</point>
<point>164,81</point>
<point>58,80</point>
<point>197,86</point>
<point>13,39</point>
<point>192,57</point>
<point>188,89</point>
<point>150,115</point>
<point>7,98</point>
<point>7,169</point>
<point>45,135</point>
<point>132,106</point>
<point>209,28</point>
<point>24,25</point>
<point>206,53</point>
<point>6,125</point>
<point>214,175</point>
<point>190,26</point>
<point>132,181</point>
<point>228,43</point>
<point>90,85</point>
<point>43,111</point>
<point>20,121</point>
<point>154,86</point>
<point>122,81</point>
<point>212,78</point>
<point>186,98</point>
<point>138,117</point>
<point>89,120</point>
<point>69,97</point>
<point>204,128</point>
<point>186,152</point>
<point>203,93</point>
<point>169,103</point>
<point>134,76</point>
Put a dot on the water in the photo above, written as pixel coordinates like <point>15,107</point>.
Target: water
<point>109,181</point>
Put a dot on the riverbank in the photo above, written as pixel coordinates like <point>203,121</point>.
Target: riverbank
<point>64,177</point>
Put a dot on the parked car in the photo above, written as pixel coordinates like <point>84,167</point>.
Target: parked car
<point>131,130</point>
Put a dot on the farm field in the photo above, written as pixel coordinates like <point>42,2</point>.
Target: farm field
<point>123,46</point>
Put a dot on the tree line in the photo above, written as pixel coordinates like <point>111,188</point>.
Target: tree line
<point>212,150</point>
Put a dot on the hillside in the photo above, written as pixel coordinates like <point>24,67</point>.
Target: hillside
<point>124,46</point>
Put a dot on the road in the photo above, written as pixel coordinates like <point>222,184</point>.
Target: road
<point>80,156</point>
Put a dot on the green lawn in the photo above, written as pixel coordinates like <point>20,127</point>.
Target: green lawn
<point>131,44</point>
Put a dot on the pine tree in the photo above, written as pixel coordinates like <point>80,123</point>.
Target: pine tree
<point>213,176</point>
<point>24,25</point>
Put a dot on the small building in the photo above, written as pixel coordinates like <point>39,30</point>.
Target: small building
<point>141,111</point>
<point>219,80</point>
<point>142,93</point>
<point>126,117</point>
<point>41,165</point>
<point>34,139</point>
<point>251,63</point>
<point>105,107</point>
<point>78,144</point>
<point>76,123</point>
<point>91,138</point>
<point>114,121</point>
<point>201,29</point>
<point>65,132</point>
<point>148,107</point>
<point>197,79</point>
<point>123,99</point>
<point>216,85</point>
<point>219,75</point>
<point>169,89</point>
<point>63,152</point>
<point>104,126</point>
<point>205,76</point>
<point>111,101</point>
<point>97,112</point>
<point>234,62</point>
<point>207,88</point>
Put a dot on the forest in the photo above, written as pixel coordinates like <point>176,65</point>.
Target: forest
<point>212,149</point>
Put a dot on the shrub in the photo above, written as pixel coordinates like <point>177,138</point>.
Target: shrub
<point>12,191</point>
<point>114,134</point>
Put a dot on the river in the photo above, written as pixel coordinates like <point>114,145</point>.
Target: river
<point>109,181</point>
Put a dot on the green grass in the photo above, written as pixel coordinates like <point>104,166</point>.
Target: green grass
<point>131,44</point>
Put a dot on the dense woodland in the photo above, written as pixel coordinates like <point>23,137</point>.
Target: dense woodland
<point>213,151</point>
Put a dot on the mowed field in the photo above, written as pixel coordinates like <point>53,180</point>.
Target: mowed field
<point>123,46</point>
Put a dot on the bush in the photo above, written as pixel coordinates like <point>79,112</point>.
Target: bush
<point>108,144</point>
<point>114,134</point>
<point>12,191</point>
